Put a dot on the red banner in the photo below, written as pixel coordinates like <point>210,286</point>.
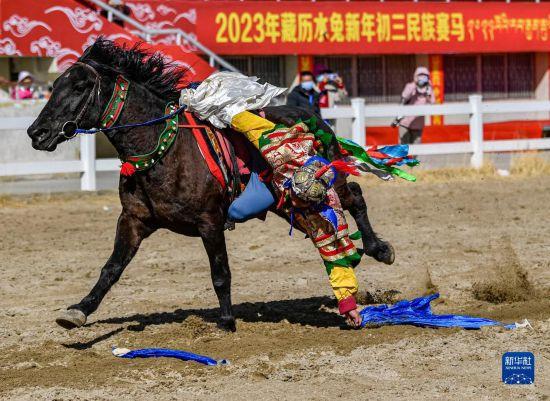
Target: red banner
<point>62,29</point>
<point>253,27</point>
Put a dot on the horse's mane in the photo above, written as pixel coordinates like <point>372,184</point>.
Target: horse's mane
<point>151,70</point>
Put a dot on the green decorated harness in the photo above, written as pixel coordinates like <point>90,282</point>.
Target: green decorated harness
<point>110,116</point>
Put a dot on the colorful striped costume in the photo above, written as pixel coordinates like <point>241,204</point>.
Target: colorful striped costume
<point>286,149</point>
<point>224,98</point>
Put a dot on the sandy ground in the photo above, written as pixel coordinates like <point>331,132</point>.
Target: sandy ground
<point>484,244</point>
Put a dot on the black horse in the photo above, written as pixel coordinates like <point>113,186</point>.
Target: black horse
<point>178,193</point>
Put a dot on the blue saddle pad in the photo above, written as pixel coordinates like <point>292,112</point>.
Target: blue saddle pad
<point>255,199</point>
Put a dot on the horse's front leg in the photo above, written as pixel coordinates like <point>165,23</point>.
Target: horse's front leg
<point>214,243</point>
<point>130,232</point>
<point>351,196</point>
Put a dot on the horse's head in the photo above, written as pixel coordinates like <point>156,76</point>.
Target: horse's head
<point>82,92</point>
<point>74,103</point>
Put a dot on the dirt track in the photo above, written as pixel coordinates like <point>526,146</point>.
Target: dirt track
<point>289,344</point>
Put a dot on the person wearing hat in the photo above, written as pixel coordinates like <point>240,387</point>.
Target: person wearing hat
<point>417,92</point>
<point>24,89</point>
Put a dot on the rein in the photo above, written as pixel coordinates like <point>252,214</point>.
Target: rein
<point>148,123</point>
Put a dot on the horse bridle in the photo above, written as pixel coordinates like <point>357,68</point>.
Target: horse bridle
<point>113,109</point>
<point>96,91</point>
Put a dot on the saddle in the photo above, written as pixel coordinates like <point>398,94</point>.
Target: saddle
<point>230,157</point>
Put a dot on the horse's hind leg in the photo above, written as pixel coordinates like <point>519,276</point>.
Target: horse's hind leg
<point>130,232</point>
<point>351,196</point>
<point>214,242</point>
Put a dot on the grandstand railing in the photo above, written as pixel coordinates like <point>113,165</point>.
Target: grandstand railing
<point>88,165</point>
<point>147,33</point>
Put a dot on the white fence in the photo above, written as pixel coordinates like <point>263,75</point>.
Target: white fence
<point>88,165</point>
<point>475,108</point>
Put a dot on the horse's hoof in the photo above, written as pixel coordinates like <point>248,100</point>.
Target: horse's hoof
<point>71,318</point>
<point>383,252</point>
<point>227,324</point>
<point>386,253</point>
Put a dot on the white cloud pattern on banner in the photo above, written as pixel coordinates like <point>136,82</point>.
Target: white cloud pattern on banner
<point>8,47</point>
<point>21,26</point>
<point>83,20</point>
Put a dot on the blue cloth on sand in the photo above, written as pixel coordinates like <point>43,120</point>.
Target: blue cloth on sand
<point>167,353</point>
<point>418,313</point>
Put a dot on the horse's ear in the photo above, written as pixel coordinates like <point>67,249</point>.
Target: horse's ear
<point>87,52</point>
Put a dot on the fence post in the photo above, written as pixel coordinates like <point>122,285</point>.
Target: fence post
<point>359,128</point>
<point>87,157</point>
<point>476,131</point>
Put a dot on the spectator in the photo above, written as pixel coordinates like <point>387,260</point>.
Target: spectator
<point>332,89</point>
<point>305,94</point>
<point>5,90</point>
<point>119,6</point>
<point>24,89</point>
<point>415,93</point>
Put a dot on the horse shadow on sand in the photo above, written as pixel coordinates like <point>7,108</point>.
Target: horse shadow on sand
<point>313,311</point>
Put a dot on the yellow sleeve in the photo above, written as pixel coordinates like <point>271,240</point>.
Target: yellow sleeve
<point>251,125</point>
<point>343,282</point>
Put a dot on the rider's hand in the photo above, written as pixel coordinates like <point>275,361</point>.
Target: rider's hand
<point>396,122</point>
<point>353,318</point>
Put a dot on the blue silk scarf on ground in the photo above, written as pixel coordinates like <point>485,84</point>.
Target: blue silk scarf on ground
<point>167,353</point>
<point>418,312</point>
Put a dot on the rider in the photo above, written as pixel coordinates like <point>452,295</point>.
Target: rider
<point>302,180</point>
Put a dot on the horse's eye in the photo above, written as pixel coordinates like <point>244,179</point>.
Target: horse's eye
<point>80,86</point>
